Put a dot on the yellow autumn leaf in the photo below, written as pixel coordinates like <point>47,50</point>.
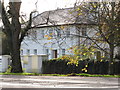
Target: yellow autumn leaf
<point>76,65</point>
<point>112,63</point>
<point>79,13</point>
<point>97,34</point>
<point>82,69</point>
<point>101,60</point>
<point>103,56</point>
<point>45,35</point>
<point>49,38</point>
<point>86,65</point>
<point>78,9</point>
<point>85,70</point>
<point>94,6</point>
<point>51,34</point>
<point>62,27</point>
<point>84,54</point>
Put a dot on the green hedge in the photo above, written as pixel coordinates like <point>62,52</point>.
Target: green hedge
<point>94,67</point>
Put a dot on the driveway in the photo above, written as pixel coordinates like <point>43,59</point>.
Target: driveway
<point>98,83</point>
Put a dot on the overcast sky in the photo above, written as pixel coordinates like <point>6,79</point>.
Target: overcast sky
<point>42,5</point>
<point>45,5</point>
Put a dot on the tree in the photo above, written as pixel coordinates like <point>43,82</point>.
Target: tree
<point>14,33</point>
<point>106,17</point>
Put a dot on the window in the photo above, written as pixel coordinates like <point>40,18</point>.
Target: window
<point>42,34</point>
<point>34,34</point>
<point>21,52</point>
<point>28,51</point>
<point>35,51</point>
<point>0,60</point>
<point>84,32</point>
<point>54,53</point>
<point>50,33</point>
<point>63,52</point>
<point>67,33</point>
<point>98,55</point>
<point>47,51</point>
<point>58,33</point>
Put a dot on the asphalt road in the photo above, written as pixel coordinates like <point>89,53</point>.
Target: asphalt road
<point>58,83</point>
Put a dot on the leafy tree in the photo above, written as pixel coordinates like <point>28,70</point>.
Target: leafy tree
<point>106,16</point>
<point>106,23</point>
<point>14,33</point>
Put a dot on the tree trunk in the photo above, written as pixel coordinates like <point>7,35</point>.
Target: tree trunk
<point>15,33</point>
<point>111,70</point>
<point>16,60</point>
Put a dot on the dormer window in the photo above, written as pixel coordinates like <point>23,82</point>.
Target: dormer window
<point>84,31</point>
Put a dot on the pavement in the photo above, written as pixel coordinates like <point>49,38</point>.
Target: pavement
<point>58,83</point>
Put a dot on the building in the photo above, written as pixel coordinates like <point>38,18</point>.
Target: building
<point>56,31</point>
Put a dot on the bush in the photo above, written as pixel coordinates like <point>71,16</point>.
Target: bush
<point>58,66</point>
<point>9,69</point>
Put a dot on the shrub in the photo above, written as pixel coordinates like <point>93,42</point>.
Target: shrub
<point>9,69</point>
<point>59,66</point>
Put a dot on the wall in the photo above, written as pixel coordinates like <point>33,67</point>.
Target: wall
<point>33,63</point>
<point>40,42</point>
<point>4,62</point>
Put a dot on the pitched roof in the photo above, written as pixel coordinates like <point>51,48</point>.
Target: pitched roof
<point>62,16</point>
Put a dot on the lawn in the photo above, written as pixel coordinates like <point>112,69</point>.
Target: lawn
<point>72,74</point>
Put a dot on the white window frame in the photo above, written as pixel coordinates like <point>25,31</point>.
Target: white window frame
<point>42,34</point>
<point>50,32</point>
<point>84,31</point>
<point>35,51</point>
<point>63,52</point>
<point>47,51</point>
<point>28,51</point>
<point>21,52</point>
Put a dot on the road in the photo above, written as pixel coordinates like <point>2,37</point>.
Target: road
<point>98,83</point>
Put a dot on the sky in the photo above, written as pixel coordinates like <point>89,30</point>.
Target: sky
<point>45,5</point>
<point>28,6</point>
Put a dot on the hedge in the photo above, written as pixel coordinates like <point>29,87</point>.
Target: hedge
<point>90,67</point>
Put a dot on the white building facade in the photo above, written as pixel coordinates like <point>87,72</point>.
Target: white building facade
<point>56,31</point>
<point>49,41</point>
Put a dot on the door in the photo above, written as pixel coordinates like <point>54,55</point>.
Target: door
<point>54,53</point>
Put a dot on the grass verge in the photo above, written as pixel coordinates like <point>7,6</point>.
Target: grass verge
<point>72,74</point>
